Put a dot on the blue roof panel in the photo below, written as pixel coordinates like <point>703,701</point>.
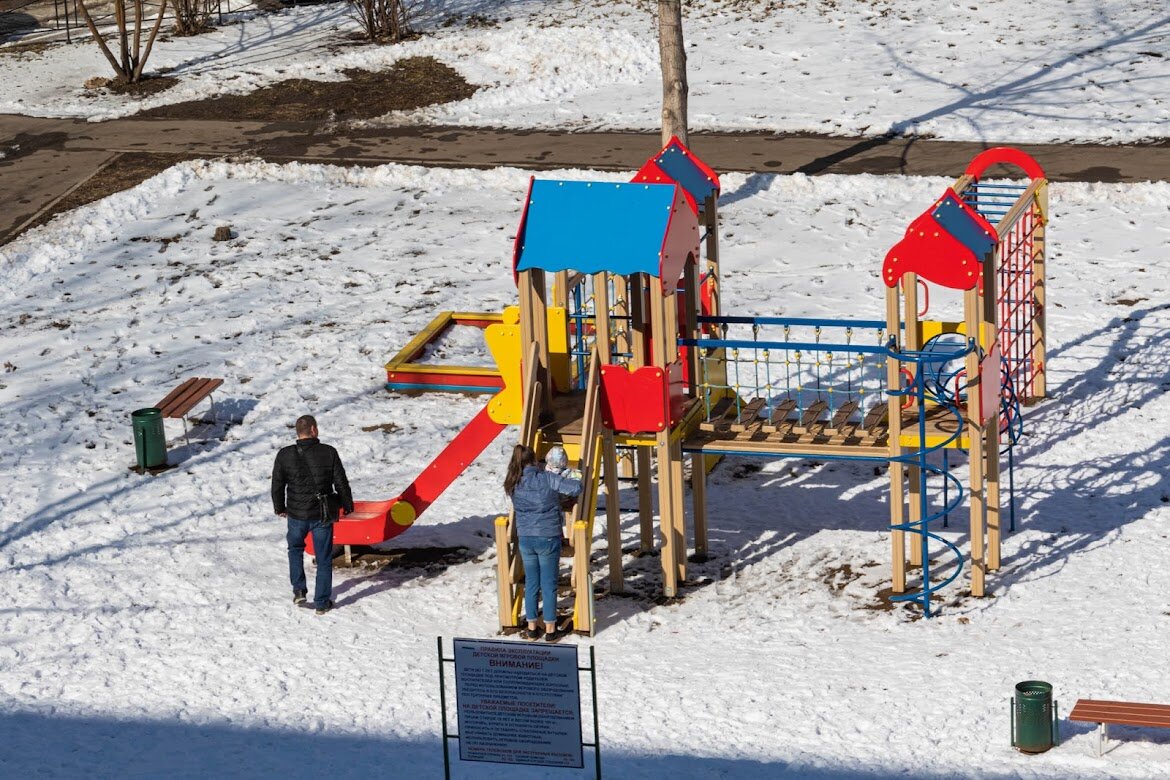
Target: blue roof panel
<point>595,226</point>
<point>960,224</point>
<point>681,167</point>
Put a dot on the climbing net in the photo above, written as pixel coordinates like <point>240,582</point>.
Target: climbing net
<point>582,319</point>
<point>834,363</point>
<point>1016,278</point>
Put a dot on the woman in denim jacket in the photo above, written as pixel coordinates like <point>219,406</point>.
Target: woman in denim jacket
<point>536,499</point>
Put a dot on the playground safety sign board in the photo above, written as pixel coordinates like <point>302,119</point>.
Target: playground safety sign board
<point>518,703</point>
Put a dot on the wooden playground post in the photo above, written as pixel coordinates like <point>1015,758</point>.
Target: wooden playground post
<point>693,304</point>
<point>973,318</point>
<point>636,289</point>
<point>699,499</point>
<point>603,339</point>
<point>913,336</point>
<point>661,313</point>
<point>613,515</point>
<point>994,534</point>
<point>534,327</point>
<point>678,511</point>
<point>504,581</point>
<point>1039,324</point>
<point>560,296</point>
<point>690,323</point>
<point>990,316</point>
<point>710,217</point>
<point>583,512</point>
<point>601,327</point>
<point>644,465</point>
<point>623,343</point>
<point>897,487</point>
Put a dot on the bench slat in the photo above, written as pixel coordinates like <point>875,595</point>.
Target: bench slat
<point>1121,713</point>
<point>170,397</point>
<point>180,403</point>
<point>187,401</point>
<point>186,396</point>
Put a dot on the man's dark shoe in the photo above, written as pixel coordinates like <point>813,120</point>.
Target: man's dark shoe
<point>299,596</point>
<point>323,608</point>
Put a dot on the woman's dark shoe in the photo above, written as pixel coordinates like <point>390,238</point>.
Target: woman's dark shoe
<point>323,608</point>
<point>530,633</point>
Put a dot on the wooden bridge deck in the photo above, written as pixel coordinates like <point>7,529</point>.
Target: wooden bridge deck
<point>746,430</point>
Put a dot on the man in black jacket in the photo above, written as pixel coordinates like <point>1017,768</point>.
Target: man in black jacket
<point>303,474</point>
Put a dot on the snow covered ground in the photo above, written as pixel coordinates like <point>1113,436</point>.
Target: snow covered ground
<point>999,70</point>
<point>148,631</point>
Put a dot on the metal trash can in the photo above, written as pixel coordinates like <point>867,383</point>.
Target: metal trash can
<point>1034,719</point>
<point>150,440</point>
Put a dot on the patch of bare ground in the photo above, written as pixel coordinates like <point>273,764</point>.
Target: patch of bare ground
<point>409,84</point>
<point>126,171</point>
<point>149,85</point>
<point>431,559</point>
<point>27,49</point>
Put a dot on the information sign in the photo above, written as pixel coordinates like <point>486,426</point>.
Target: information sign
<point>518,702</point>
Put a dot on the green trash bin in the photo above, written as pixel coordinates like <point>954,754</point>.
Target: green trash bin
<point>150,440</point>
<point>1033,717</point>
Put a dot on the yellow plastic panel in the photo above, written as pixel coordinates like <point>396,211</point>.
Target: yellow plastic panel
<point>558,348</point>
<point>507,406</point>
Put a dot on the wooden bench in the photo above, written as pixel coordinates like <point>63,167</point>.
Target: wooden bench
<point>186,397</point>
<point>1121,713</point>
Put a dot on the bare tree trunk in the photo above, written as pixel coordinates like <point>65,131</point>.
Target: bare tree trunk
<point>162,10</point>
<point>137,31</point>
<point>673,55</point>
<point>97,37</point>
<point>129,69</point>
<point>123,40</point>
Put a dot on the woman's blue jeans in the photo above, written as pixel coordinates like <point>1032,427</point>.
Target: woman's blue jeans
<point>541,556</point>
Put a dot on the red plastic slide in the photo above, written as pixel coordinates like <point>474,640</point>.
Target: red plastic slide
<point>376,521</point>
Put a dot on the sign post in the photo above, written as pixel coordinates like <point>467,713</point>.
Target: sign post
<point>518,703</point>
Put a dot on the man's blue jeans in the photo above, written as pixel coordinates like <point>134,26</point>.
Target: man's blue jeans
<point>541,556</point>
<point>322,546</point>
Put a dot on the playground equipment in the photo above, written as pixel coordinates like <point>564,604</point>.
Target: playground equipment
<point>905,389</point>
<point>628,353</point>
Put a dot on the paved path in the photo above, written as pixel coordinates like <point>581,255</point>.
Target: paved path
<point>46,159</point>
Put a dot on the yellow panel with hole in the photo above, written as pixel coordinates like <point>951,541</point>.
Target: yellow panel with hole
<point>507,406</point>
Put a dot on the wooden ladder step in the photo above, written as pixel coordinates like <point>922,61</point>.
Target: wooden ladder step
<point>778,421</point>
<point>748,415</point>
<point>718,421</point>
<point>811,418</point>
<point>875,417</point>
<point>840,423</point>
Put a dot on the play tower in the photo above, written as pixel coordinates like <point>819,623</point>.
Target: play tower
<point>603,370</point>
